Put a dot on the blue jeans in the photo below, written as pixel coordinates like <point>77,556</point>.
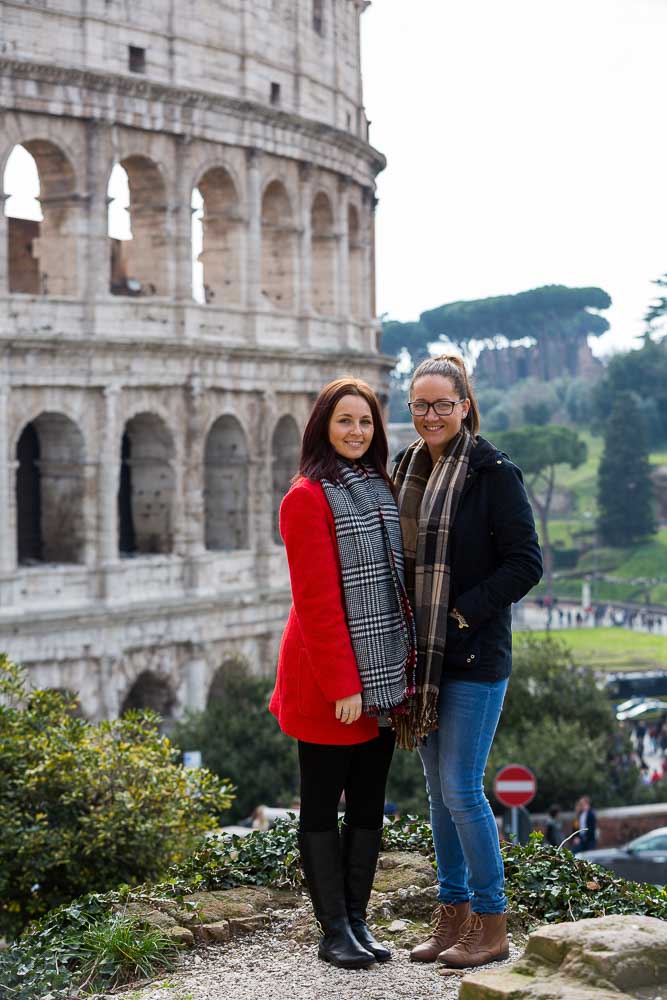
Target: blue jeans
<point>465,835</point>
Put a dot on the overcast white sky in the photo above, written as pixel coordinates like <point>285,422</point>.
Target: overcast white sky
<point>526,145</point>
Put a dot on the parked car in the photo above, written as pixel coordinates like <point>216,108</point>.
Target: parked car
<point>648,710</point>
<point>641,860</point>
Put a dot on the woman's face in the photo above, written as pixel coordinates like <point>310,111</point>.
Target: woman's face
<point>436,430</point>
<point>351,427</point>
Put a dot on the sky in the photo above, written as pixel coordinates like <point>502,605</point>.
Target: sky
<point>526,146</point>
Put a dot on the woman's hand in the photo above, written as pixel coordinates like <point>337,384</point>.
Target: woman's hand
<point>348,709</point>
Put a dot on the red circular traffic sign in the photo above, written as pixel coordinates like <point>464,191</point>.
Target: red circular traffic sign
<point>514,785</point>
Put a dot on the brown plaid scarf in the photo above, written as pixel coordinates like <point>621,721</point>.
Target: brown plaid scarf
<point>428,497</point>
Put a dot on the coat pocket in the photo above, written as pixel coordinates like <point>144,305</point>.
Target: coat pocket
<point>310,699</point>
<point>462,647</point>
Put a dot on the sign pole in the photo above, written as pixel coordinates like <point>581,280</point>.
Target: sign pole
<point>515,825</point>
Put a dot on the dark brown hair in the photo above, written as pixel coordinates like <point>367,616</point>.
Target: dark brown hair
<point>453,367</point>
<point>318,456</point>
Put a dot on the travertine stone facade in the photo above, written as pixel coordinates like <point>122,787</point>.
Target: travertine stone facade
<point>146,439</point>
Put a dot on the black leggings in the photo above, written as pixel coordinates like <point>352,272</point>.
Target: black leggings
<point>359,770</point>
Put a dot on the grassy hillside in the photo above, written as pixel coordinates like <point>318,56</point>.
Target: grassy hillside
<point>614,648</point>
<point>636,574</point>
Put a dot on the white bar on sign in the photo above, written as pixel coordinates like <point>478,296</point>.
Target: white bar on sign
<point>515,786</point>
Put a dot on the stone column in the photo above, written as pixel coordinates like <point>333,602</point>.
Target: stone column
<point>108,479</point>
<point>179,229</point>
<point>261,489</point>
<point>343,234</point>
<point>97,252</point>
<point>4,245</point>
<point>368,277</point>
<point>304,242</point>
<point>253,242</point>
<point>193,485</point>
<point>7,523</point>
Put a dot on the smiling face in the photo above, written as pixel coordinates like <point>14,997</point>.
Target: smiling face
<point>351,427</point>
<point>438,431</point>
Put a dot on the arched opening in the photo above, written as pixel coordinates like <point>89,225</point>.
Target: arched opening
<point>218,689</point>
<point>28,497</point>
<point>285,448</point>
<point>146,489</point>
<point>226,486</point>
<point>356,263</point>
<point>150,692</point>
<point>49,491</point>
<point>43,220</point>
<point>220,253</point>
<point>278,248</point>
<point>137,228</point>
<point>323,255</point>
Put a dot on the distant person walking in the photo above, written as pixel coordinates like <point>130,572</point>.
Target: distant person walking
<point>585,822</point>
<point>471,550</point>
<point>554,834</point>
<point>346,659</point>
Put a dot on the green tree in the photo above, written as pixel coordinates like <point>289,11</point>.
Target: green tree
<point>238,737</point>
<point>642,372</point>
<point>553,314</point>
<point>625,491</point>
<point>538,451</point>
<point>560,724</point>
<point>86,807</point>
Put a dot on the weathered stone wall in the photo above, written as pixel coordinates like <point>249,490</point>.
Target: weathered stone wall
<point>138,547</point>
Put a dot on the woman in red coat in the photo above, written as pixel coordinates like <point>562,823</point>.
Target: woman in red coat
<point>346,659</point>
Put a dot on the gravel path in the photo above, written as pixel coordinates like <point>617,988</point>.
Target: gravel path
<point>270,966</point>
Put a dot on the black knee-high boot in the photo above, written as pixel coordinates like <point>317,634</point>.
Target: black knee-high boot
<point>323,869</point>
<point>360,854</point>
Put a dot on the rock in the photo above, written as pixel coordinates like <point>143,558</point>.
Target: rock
<point>396,926</point>
<point>183,935</point>
<point>218,931</point>
<point>606,958</point>
<point>246,924</point>
<point>400,870</point>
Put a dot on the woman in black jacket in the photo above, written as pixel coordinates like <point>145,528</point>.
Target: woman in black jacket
<point>471,550</point>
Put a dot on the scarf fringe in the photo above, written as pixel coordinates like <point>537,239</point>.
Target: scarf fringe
<point>415,721</point>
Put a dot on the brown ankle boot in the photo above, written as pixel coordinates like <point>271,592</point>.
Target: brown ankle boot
<point>449,919</point>
<point>483,939</point>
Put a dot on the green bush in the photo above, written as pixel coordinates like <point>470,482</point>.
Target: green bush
<point>558,722</point>
<point>87,807</point>
<point>239,738</point>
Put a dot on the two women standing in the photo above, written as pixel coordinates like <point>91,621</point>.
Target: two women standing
<point>347,656</point>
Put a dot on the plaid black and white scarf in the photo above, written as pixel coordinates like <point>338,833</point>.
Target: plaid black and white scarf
<point>428,497</point>
<point>379,618</point>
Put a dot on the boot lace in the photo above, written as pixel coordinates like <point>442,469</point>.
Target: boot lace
<point>471,930</point>
<point>442,914</point>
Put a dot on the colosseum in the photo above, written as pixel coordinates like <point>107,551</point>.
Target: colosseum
<point>157,371</point>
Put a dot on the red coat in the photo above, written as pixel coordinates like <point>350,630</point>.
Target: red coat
<point>316,664</point>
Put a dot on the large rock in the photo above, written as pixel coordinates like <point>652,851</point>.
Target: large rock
<point>607,958</point>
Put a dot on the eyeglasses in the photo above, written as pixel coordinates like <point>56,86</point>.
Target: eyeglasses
<point>443,407</point>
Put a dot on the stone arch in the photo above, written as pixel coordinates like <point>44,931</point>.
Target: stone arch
<point>323,256</point>
<point>147,487</point>
<point>226,486</point>
<point>356,262</point>
<point>139,261</point>
<point>285,449</point>
<point>278,247</point>
<point>150,691</point>
<point>232,665</point>
<point>50,489</point>
<point>43,238</point>
<point>221,237</point>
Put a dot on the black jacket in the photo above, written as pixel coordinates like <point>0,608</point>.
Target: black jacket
<point>495,559</point>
